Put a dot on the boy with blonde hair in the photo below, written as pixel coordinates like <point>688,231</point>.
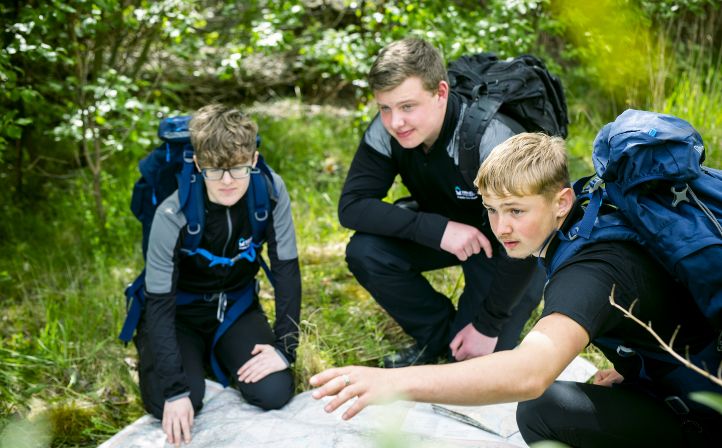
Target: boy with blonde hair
<point>641,402</point>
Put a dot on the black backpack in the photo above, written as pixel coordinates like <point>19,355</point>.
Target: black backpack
<point>521,89</point>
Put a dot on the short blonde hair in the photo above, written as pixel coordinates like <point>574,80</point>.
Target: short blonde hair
<point>524,165</point>
<point>403,59</point>
<point>222,136</point>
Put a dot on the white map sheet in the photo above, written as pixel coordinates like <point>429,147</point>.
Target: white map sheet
<point>227,421</point>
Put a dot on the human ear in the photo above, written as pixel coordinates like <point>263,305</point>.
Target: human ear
<point>443,90</point>
<point>564,202</point>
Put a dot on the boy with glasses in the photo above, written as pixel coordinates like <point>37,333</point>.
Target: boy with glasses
<point>189,296</point>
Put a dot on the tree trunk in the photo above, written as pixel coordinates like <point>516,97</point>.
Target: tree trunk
<point>19,166</point>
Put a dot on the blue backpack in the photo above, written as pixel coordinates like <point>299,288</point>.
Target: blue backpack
<point>649,173</point>
<point>168,168</point>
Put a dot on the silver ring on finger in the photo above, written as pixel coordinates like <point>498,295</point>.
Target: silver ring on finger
<point>346,380</point>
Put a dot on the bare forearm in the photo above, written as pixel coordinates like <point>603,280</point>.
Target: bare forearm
<point>516,375</point>
<point>496,378</point>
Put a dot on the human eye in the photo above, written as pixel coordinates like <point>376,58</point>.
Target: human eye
<point>516,211</point>
<point>241,171</point>
<point>490,210</point>
<point>212,173</point>
<point>407,107</point>
<point>384,109</point>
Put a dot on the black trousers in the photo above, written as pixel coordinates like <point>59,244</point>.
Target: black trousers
<point>587,415</point>
<point>391,270</point>
<point>195,328</point>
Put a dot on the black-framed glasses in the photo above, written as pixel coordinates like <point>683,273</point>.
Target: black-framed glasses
<point>236,172</point>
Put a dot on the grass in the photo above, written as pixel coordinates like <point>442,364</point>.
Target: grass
<point>65,380</point>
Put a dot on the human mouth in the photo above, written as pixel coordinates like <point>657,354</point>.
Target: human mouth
<point>510,245</point>
<point>404,134</point>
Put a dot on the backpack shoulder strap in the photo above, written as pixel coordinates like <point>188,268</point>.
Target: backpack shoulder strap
<point>597,224</point>
<point>259,199</point>
<point>474,123</point>
<point>191,194</point>
<point>260,191</point>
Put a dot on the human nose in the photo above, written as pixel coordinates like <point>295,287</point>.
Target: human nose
<point>226,178</point>
<point>397,120</point>
<point>500,225</point>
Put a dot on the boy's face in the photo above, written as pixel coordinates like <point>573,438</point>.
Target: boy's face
<point>412,114</point>
<point>523,223</point>
<point>228,190</point>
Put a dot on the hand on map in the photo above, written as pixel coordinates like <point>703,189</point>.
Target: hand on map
<point>369,385</point>
<point>265,361</point>
<point>178,420</point>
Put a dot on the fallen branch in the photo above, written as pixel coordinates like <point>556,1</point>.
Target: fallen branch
<point>667,347</point>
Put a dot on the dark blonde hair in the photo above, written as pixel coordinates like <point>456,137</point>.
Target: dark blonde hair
<point>523,165</point>
<point>222,136</point>
<point>403,59</point>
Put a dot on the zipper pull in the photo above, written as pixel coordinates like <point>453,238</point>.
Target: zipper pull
<point>222,302</point>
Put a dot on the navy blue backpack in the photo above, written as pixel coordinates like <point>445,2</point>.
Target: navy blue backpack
<point>168,168</point>
<point>649,171</point>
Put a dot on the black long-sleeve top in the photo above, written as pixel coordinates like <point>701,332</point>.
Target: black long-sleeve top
<point>167,271</point>
<point>434,180</point>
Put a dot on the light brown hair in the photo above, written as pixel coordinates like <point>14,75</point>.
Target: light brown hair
<point>403,59</point>
<point>524,165</point>
<point>222,136</point>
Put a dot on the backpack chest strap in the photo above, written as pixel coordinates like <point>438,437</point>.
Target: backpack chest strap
<point>249,254</point>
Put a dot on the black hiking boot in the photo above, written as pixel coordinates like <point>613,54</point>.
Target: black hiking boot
<point>410,356</point>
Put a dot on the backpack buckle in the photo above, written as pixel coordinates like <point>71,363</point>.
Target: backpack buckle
<point>594,184</point>
<point>677,405</point>
<point>679,195</point>
<point>573,233</point>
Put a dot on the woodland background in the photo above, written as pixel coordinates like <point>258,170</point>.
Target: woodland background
<point>85,82</point>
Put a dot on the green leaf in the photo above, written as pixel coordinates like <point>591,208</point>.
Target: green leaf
<point>711,399</point>
<point>23,121</point>
<point>13,131</point>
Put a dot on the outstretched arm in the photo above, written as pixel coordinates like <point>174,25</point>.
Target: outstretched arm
<point>515,375</point>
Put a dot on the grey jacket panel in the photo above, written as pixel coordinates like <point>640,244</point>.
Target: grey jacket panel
<point>453,147</point>
<point>164,234</point>
<point>496,132</point>
<point>377,137</point>
<point>283,222</point>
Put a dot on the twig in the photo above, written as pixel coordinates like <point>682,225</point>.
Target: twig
<point>667,347</point>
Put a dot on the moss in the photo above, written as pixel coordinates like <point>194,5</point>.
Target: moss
<point>69,424</point>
